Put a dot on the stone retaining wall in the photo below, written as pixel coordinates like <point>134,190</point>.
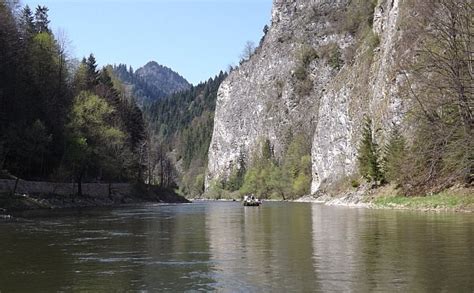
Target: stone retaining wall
<point>90,189</point>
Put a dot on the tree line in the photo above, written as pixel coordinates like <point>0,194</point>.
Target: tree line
<point>61,119</point>
<point>267,176</point>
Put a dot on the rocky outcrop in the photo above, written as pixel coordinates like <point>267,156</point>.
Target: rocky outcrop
<point>371,86</point>
<point>315,73</point>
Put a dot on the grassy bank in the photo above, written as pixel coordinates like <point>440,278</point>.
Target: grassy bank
<point>459,200</point>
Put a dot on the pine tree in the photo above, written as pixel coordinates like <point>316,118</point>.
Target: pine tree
<point>369,166</point>
<point>92,75</point>
<point>27,22</point>
<point>41,19</point>
<point>394,155</point>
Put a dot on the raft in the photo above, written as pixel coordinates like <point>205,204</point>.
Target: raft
<point>251,203</point>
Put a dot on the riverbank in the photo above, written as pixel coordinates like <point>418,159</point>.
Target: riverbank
<point>119,194</point>
<point>454,200</point>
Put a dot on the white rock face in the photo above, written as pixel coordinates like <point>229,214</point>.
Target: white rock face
<point>342,108</point>
<point>260,99</point>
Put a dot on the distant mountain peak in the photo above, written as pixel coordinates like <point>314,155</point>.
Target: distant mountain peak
<point>163,78</point>
<point>153,81</point>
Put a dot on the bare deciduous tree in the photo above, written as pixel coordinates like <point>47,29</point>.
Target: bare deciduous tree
<point>441,85</point>
<point>248,51</point>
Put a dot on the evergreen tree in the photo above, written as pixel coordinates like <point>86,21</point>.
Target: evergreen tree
<point>41,19</point>
<point>394,155</point>
<point>369,165</point>
<point>43,132</point>
<point>27,22</point>
<point>92,74</point>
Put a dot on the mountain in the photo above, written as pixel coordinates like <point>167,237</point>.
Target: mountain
<point>330,72</point>
<point>151,82</point>
<point>163,78</point>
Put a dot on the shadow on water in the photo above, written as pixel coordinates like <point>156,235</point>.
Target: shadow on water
<point>224,246</point>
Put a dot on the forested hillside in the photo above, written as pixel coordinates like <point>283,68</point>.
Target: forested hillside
<point>180,130</point>
<point>61,120</point>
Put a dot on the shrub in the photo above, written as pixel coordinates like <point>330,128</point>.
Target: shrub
<point>304,84</point>
<point>355,183</point>
<point>360,14</point>
<point>304,87</point>
<point>307,55</point>
<point>335,60</point>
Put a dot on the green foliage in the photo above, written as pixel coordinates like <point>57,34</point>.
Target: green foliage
<point>91,137</point>
<point>301,185</point>
<point>184,123</point>
<point>443,200</point>
<point>88,115</point>
<point>198,185</point>
<point>297,166</point>
<point>373,40</point>
<point>43,130</point>
<point>267,150</point>
<point>290,179</point>
<point>440,88</point>
<point>41,20</point>
<point>394,156</point>
<point>92,74</point>
<point>236,178</point>
<point>33,90</point>
<point>196,138</point>
<point>307,55</point>
<point>355,183</point>
<point>264,180</point>
<point>335,60</point>
<point>36,145</point>
<point>359,15</point>
<point>368,155</point>
<point>304,84</point>
<point>216,191</point>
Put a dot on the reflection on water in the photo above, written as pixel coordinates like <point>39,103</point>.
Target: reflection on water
<point>368,250</point>
<point>261,248</point>
<point>224,246</point>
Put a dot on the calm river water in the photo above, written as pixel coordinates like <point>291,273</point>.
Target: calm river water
<point>223,246</point>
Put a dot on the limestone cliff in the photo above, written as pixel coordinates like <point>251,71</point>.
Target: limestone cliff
<point>317,71</point>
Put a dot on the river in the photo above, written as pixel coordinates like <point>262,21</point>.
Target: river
<point>224,246</point>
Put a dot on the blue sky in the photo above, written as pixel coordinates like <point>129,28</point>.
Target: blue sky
<point>196,38</point>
